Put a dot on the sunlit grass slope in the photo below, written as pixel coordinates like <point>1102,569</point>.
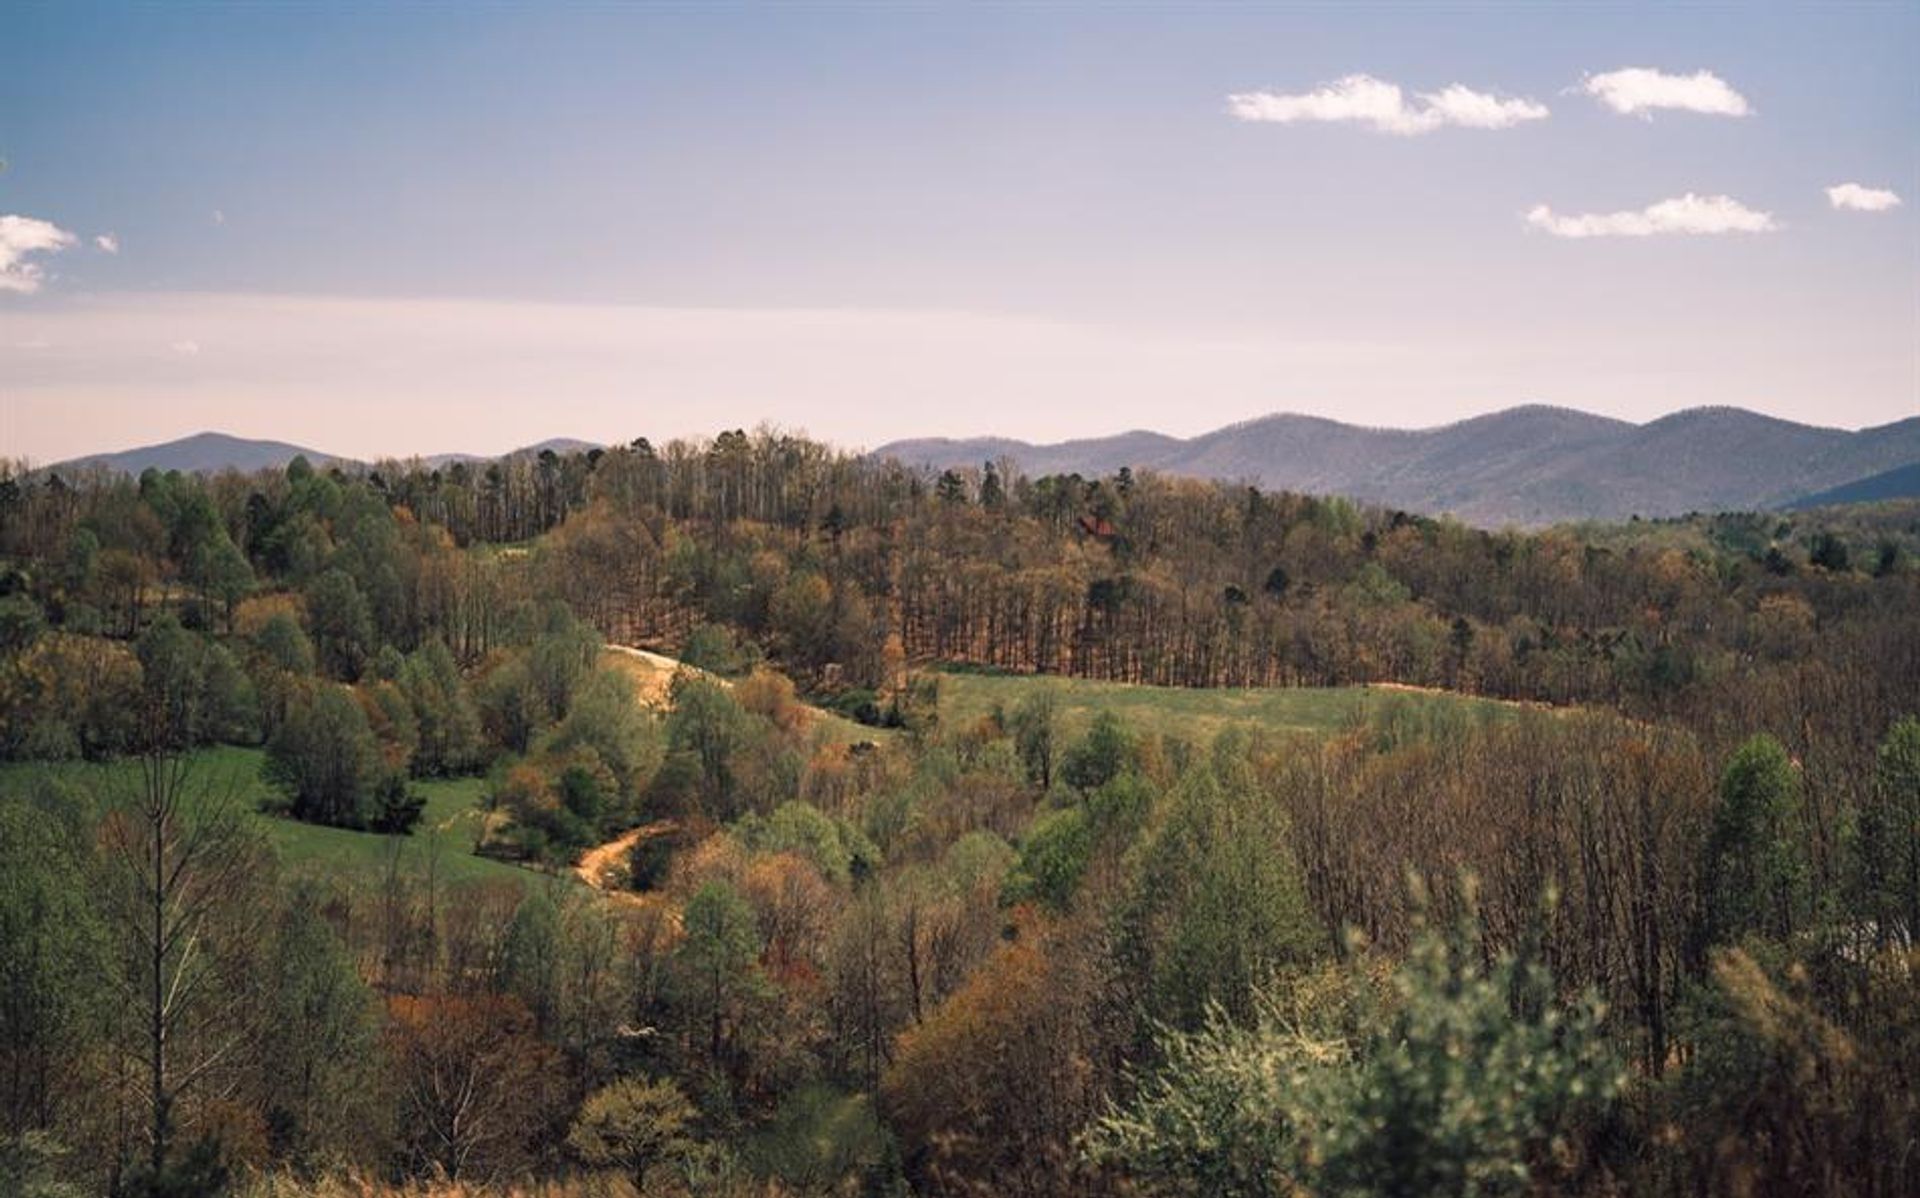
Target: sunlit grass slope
<point>443,841</point>
<point>1198,715</point>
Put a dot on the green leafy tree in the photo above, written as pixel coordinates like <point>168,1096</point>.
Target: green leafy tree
<point>582,794</point>
<point>606,719</point>
<point>1100,756</point>
<point>397,806</point>
<point>342,626</point>
<point>511,711</point>
<point>1463,1090</point>
<point>283,643</point>
<point>1756,873</point>
<point>326,759</point>
<point>651,858</point>
<point>79,564</point>
<point>194,691</point>
<point>394,725</point>
<point>633,1125</point>
<point>718,965</point>
<point>224,575</point>
<point>282,664</point>
<point>1217,902</point>
<point>1464,1081</point>
<point>444,711</point>
<point>1829,553</point>
<point>317,1065</point>
<point>1034,725</point>
<point>530,957</point>
<point>711,728</point>
<point>836,848</point>
<point>559,660</point>
<point>52,959</point>
<point>1222,1111</point>
<point>824,1141</point>
<point>712,647</point>
<point>1054,854</point>
<point>21,623</point>
<point>1887,839</point>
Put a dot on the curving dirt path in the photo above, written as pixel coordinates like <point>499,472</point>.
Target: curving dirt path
<point>597,863</point>
<point>652,673</point>
<point>1414,689</point>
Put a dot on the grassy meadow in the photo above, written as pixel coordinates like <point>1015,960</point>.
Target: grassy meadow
<point>451,822</point>
<point>1199,715</point>
<point>443,841</point>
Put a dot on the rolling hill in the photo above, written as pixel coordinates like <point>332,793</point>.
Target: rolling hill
<point>210,453</point>
<point>1901,482</point>
<point>207,453</point>
<point>1529,465</point>
<point>559,445</point>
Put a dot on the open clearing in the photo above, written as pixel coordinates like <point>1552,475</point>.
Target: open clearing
<point>1199,715</point>
<point>443,842</point>
<point>653,673</point>
<point>450,825</point>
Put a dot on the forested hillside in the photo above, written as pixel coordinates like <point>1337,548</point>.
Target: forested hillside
<point>203,452</point>
<point>1902,482</point>
<point>1531,465</point>
<point>1607,885</point>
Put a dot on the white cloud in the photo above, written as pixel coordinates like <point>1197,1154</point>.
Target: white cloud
<point>187,349</point>
<point>1364,100</point>
<point>23,235</point>
<point>1689,213</point>
<point>219,217</point>
<point>109,243</point>
<point>1638,91</point>
<point>1862,199</point>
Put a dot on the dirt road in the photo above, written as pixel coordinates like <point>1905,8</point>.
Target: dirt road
<point>652,673</point>
<point>601,866</point>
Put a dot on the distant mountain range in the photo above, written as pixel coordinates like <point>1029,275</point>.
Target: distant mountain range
<point>210,453</point>
<point>1527,465</point>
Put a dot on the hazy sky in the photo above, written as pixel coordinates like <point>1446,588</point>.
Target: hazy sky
<point>391,230</point>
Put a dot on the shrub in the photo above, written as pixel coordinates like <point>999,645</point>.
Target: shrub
<point>632,1125</point>
<point>1460,1080</point>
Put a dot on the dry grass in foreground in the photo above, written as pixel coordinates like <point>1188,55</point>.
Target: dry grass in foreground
<point>586,1185</point>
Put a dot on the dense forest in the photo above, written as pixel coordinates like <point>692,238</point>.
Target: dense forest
<point>1644,926</point>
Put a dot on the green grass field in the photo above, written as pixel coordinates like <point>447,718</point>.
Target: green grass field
<point>1200,715</point>
<point>443,840</point>
<point>445,837</point>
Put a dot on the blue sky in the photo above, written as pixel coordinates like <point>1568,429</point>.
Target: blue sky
<point>391,230</point>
